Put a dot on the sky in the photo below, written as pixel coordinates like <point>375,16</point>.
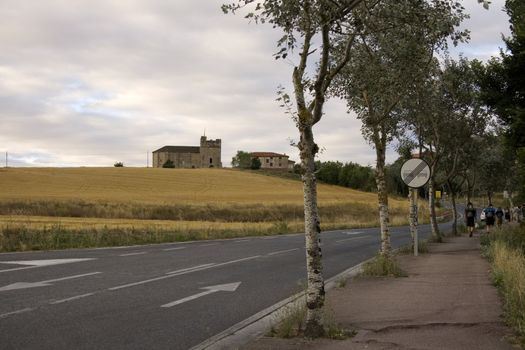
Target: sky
<point>94,82</point>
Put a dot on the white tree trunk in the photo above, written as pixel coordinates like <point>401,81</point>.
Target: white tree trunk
<point>382,197</point>
<point>432,206</point>
<point>315,290</point>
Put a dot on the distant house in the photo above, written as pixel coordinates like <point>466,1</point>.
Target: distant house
<point>207,155</point>
<point>271,160</point>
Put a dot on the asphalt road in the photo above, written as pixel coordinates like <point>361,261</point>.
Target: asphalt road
<point>167,296</point>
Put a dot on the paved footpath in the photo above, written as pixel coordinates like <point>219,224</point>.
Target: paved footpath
<point>446,302</point>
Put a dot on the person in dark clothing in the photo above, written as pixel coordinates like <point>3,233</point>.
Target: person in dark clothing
<point>470,218</point>
<point>490,216</point>
<point>507,214</point>
<point>499,217</point>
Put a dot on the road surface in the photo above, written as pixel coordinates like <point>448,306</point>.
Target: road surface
<point>167,296</point>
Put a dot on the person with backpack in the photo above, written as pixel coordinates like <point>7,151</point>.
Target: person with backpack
<point>490,216</point>
<point>499,217</point>
<point>470,218</point>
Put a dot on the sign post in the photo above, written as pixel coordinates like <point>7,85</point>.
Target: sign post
<point>415,173</point>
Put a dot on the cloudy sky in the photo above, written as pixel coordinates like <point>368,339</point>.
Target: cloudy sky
<point>92,82</point>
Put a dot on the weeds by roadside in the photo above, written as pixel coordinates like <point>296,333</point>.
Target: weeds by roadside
<point>422,247</point>
<point>290,323</point>
<point>505,250</point>
<point>382,265</point>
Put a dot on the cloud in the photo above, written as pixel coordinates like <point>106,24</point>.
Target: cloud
<point>94,82</point>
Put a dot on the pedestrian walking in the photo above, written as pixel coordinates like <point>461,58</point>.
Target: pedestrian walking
<point>470,218</point>
<point>490,216</point>
<point>499,217</point>
<point>507,214</point>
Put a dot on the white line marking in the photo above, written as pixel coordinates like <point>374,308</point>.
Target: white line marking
<point>271,237</point>
<point>230,287</point>
<point>135,253</point>
<point>16,312</point>
<point>176,248</point>
<point>182,272</point>
<point>24,285</point>
<point>350,239</point>
<point>354,233</point>
<point>189,269</point>
<point>31,264</point>
<point>282,251</point>
<point>208,245</point>
<point>19,268</point>
<point>242,240</point>
<point>70,299</point>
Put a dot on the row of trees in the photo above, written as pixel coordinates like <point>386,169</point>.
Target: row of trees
<point>380,57</point>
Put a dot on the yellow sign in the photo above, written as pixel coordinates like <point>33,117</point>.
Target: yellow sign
<point>438,194</point>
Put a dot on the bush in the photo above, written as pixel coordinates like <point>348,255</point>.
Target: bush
<point>168,164</point>
<point>118,165</point>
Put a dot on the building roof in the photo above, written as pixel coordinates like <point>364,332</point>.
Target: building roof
<point>179,149</point>
<point>267,154</point>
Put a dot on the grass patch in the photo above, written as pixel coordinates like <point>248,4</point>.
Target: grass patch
<point>422,246</point>
<point>506,252</point>
<point>382,265</point>
<point>291,322</point>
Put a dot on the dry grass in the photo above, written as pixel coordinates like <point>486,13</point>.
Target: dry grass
<point>163,186</point>
<point>115,204</point>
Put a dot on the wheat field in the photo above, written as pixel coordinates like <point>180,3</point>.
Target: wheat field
<point>163,186</point>
<point>44,208</point>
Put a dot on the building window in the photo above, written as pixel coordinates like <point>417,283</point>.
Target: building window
<point>267,160</point>
<point>211,160</point>
<point>271,164</point>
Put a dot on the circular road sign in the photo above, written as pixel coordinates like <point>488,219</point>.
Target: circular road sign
<point>415,173</point>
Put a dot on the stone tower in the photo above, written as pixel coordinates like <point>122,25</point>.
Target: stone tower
<point>210,151</point>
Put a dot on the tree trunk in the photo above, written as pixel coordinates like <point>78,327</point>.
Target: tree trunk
<point>432,205</point>
<point>382,197</point>
<point>489,196</point>
<point>315,290</point>
<point>454,209</point>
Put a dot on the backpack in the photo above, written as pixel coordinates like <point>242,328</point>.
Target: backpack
<point>490,213</point>
<point>470,214</point>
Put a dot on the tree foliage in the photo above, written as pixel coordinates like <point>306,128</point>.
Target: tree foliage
<point>242,160</point>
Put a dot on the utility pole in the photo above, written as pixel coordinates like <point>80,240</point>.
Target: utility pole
<point>6,164</point>
<point>147,159</point>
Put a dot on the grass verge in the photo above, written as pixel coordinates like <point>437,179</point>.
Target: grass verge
<point>506,252</point>
<point>382,265</point>
<point>291,321</point>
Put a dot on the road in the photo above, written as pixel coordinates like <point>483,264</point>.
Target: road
<point>167,296</point>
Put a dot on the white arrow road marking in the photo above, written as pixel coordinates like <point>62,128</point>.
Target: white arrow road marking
<point>24,285</point>
<point>31,264</point>
<point>230,287</point>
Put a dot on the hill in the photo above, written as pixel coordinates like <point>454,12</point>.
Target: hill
<point>163,186</point>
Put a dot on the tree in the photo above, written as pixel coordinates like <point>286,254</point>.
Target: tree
<point>304,22</point>
<point>118,165</point>
<point>168,164</point>
<point>503,89</point>
<point>255,163</point>
<point>242,160</point>
<point>389,56</point>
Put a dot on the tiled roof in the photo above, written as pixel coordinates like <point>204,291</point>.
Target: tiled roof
<point>267,154</point>
<point>179,149</point>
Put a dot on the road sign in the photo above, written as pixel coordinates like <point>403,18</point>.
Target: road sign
<point>415,173</point>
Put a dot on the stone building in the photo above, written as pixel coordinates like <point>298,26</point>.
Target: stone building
<point>207,155</point>
<point>271,160</point>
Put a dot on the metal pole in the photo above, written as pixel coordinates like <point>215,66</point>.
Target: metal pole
<point>6,164</point>
<point>413,219</point>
